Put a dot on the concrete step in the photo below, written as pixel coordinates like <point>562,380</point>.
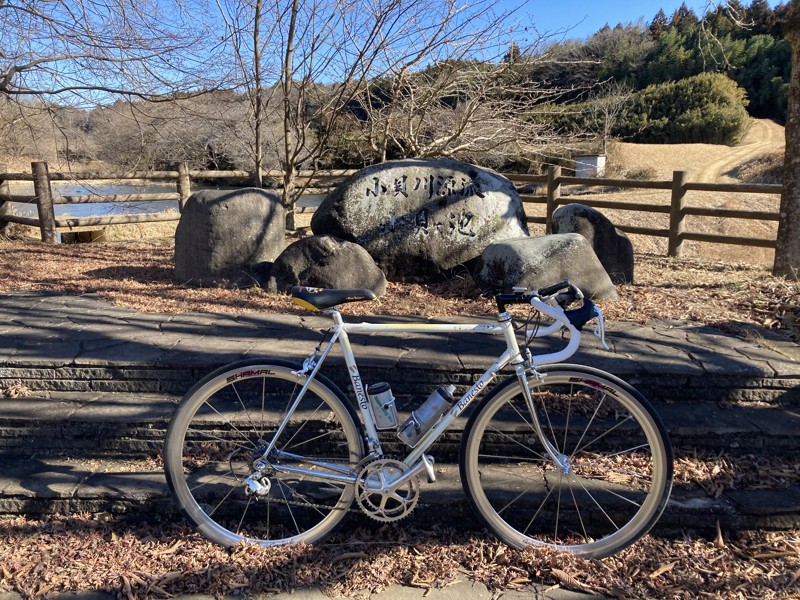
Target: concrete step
<point>93,425</point>
<point>118,487</point>
<point>101,453</point>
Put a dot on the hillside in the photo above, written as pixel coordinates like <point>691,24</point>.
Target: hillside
<point>706,163</point>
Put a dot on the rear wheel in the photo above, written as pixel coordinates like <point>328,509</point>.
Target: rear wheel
<point>221,430</point>
<point>614,473</point>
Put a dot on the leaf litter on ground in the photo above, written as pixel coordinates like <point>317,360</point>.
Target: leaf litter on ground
<point>85,552</point>
<point>141,560</point>
<point>140,275</point>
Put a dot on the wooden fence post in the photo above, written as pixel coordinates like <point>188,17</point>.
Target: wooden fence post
<point>676,215</point>
<point>44,202</point>
<point>184,185</point>
<point>5,207</point>
<point>553,194</point>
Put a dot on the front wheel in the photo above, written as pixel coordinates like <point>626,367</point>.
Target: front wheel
<point>232,486</point>
<point>613,473</point>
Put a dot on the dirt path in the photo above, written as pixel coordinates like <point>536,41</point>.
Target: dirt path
<point>764,136</point>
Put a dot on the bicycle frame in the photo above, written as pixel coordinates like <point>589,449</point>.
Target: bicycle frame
<point>416,459</point>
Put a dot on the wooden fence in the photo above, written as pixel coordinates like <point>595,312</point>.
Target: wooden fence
<point>677,209</point>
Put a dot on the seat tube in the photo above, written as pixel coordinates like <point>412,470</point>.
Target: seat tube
<point>358,390</point>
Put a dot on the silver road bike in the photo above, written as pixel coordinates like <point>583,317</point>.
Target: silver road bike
<point>558,455</point>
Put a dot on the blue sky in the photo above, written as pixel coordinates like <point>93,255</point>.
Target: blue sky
<point>581,18</point>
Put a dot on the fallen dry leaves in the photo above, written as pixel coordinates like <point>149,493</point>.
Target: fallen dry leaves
<point>140,276</point>
<point>60,554</point>
<point>57,554</point>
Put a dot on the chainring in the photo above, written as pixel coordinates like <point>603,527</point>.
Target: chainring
<point>379,498</point>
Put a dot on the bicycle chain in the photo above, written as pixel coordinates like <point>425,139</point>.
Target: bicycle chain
<point>359,467</point>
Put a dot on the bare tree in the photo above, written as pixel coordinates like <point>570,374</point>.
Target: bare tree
<point>607,103</point>
<point>463,108</point>
<point>309,61</point>
<point>787,250</point>
<point>89,50</point>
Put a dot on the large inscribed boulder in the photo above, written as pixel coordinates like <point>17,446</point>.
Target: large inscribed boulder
<point>326,262</point>
<point>611,245</point>
<point>420,218</point>
<point>229,238</point>
<point>535,262</point>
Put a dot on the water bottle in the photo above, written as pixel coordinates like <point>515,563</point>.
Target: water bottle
<point>383,408</point>
<point>422,419</point>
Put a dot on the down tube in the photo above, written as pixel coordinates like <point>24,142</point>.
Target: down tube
<point>433,434</point>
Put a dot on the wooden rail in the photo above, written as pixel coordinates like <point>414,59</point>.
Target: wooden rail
<point>677,209</point>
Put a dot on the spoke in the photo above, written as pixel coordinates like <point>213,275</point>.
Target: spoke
<point>517,442</point>
<point>588,425</point>
<point>244,408</point>
<point>558,504</point>
<point>288,506</point>
<point>521,416</point>
<point>225,497</point>
<point>633,474</point>
<point>601,436</point>
<point>308,441</point>
<point>629,450</point>
<point>244,514</point>
<point>525,459</point>
<point>215,438</point>
<point>216,478</point>
<point>263,407</point>
<point>609,490</point>
<point>538,510</point>
<point>228,421</point>
<point>547,416</point>
<point>578,512</point>
<point>588,493</point>
<point>306,499</point>
<point>299,429</point>
<point>566,424</point>
<point>515,476</point>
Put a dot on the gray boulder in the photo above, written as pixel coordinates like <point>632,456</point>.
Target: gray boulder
<point>611,245</point>
<point>420,218</point>
<point>327,262</point>
<point>535,262</point>
<point>229,238</point>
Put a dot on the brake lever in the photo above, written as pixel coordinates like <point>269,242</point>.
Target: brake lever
<point>600,328</point>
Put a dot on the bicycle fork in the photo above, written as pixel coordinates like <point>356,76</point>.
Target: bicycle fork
<point>560,460</point>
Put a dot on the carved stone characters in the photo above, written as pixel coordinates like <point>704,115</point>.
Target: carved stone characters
<point>421,218</point>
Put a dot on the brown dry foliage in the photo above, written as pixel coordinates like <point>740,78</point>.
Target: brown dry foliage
<point>56,554</point>
<point>140,276</point>
<point>39,558</point>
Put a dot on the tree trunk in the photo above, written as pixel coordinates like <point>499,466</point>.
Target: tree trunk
<point>290,120</point>
<point>787,253</point>
<point>258,105</point>
<point>289,205</point>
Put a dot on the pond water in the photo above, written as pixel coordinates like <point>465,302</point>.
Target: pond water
<point>119,208</point>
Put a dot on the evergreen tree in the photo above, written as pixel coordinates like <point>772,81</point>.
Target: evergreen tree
<point>659,23</point>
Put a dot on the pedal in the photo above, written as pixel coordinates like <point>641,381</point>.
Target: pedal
<point>428,461</point>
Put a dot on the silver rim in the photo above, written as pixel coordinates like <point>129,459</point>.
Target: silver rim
<point>225,425</point>
<point>611,486</point>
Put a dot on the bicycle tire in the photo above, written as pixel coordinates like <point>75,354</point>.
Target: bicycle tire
<point>611,492</point>
<point>223,425</point>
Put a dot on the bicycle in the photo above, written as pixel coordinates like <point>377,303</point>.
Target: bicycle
<point>560,455</point>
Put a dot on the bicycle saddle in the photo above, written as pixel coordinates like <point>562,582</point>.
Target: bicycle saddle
<point>320,299</point>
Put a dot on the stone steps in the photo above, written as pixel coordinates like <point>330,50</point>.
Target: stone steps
<point>100,453</point>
